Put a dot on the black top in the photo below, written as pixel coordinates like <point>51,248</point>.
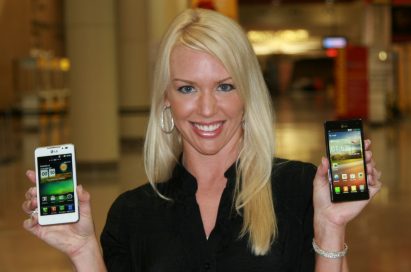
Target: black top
<point>144,232</point>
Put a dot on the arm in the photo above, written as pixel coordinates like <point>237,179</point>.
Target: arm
<point>330,219</point>
<point>78,240</point>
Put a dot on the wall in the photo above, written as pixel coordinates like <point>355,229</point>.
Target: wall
<point>14,43</point>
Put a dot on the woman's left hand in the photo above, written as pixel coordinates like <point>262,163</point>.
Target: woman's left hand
<point>339,214</point>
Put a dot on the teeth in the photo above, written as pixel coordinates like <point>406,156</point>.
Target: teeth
<point>207,128</point>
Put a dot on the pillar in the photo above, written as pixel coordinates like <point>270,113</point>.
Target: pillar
<point>90,30</point>
<point>141,24</point>
<point>133,68</point>
<point>377,37</point>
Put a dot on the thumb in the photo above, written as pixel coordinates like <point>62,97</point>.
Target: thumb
<point>321,177</point>
<point>84,199</point>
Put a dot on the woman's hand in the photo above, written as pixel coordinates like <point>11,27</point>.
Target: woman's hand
<point>330,219</point>
<point>77,240</point>
<point>339,214</point>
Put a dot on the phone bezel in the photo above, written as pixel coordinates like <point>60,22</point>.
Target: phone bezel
<point>51,151</point>
<point>339,125</point>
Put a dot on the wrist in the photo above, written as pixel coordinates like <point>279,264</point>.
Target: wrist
<point>329,236</point>
<point>88,257</point>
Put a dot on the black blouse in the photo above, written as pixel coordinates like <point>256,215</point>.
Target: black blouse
<point>144,232</point>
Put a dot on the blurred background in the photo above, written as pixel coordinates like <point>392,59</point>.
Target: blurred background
<point>79,71</point>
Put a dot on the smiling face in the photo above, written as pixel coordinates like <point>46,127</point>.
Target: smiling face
<point>204,101</point>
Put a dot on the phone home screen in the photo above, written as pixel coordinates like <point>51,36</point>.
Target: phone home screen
<point>347,163</point>
<point>56,185</point>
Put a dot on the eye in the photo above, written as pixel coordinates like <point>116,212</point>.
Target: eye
<point>186,89</point>
<point>226,87</point>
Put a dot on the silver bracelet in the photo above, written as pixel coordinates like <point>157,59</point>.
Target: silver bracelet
<point>328,254</point>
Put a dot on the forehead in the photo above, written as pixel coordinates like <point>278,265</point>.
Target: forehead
<point>189,62</point>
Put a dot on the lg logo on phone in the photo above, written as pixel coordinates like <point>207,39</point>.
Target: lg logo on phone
<point>45,173</point>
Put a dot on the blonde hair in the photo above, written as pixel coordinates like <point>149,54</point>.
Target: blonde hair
<point>215,34</point>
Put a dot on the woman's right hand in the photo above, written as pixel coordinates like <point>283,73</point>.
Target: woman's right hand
<point>77,240</point>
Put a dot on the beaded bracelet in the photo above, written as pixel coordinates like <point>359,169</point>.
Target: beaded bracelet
<point>328,254</point>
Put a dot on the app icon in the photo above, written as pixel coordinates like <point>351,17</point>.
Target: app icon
<point>336,177</point>
<point>345,189</point>
<point>335,164</point>
<point>344,176</point>
<point>45,210</point>
<point>360,175</point>
<point>53,198</point>
<point>337,190</point>
<point>53,209</point>
<point>353,188</point>
<point>362,188</point>
<point>352,176</point>
<point>70,207</point>
<point>69,196</point>
<point>61,208</point>
<point>44,198</point>
<point>61,197</point>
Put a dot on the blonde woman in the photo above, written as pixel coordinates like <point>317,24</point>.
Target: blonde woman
<point>216,198</point>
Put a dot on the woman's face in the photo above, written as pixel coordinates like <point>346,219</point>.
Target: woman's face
<point>205,103</point>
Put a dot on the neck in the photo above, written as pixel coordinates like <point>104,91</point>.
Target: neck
<point>209,169</point>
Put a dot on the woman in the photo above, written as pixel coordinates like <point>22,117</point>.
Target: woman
<point>216,199</point>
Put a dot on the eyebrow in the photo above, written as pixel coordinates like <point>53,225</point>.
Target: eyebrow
<point>192,82</point>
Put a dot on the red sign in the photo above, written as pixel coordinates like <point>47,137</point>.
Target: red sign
<point>352,83</point>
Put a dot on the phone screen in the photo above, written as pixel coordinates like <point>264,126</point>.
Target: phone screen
<point>347,164</point>
<point>56,186</point>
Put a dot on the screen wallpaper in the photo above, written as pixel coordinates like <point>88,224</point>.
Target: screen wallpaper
<point>347,165</point>
<point>56,184</point>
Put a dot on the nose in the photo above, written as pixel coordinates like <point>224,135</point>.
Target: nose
<point>207,105</point>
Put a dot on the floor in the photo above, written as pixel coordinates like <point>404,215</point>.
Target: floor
<point>379,240</point>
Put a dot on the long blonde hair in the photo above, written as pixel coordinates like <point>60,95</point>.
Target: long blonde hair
<point>215,34</point>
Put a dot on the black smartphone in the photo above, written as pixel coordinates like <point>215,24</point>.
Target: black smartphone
<point>345,150</point>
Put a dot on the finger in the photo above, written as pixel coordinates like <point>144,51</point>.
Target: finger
<point>84,200</point>
<point>370,167</point>
<point>83,195</point>
<point>31,175</point>
<point>374,186</point>
<point>320,178</point>
<point>29,205</point>
<point>30,223</point>
<point>368,156</point>
<point>31,193</point>
<point>374,177</point>
<point>367,144</point>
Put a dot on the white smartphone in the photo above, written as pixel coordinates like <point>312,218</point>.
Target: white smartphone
<point>56,182</point>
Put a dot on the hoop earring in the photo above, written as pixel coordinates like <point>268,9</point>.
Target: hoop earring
<point>167,128</point>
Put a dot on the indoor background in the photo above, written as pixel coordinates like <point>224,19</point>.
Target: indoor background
<point>79,72</point>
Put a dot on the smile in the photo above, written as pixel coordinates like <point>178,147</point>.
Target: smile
<point>208,130</point>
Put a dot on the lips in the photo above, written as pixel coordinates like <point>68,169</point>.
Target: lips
<point>208,129</point>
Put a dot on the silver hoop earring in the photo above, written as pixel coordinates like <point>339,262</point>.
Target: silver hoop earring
<point>166,127</point>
